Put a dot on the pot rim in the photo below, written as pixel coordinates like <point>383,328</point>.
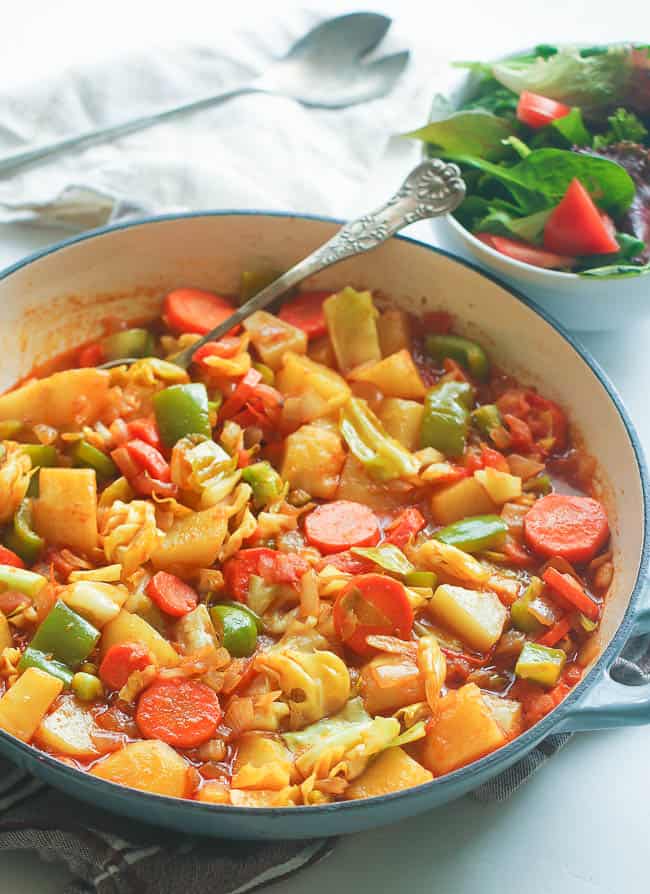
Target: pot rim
<point>508,753</point>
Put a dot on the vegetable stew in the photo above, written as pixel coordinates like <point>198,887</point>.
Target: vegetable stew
<point>343,555</point>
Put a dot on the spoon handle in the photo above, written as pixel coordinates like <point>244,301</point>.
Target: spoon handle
<point>12,163</point>
<point>432,189</point>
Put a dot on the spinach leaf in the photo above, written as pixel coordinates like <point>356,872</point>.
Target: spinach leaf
<point>542,178</point>
<point>467,133</point>
<point>475,209</point>
<point>617,270</point>
<point>630,248</point>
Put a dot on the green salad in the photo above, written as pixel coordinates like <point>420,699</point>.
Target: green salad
<point>554,149</point>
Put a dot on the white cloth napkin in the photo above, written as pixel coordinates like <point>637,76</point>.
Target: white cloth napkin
<point>256,151</point>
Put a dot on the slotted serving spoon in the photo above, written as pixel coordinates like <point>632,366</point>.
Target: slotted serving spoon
<point>325,68</point>
<point>432,189</point>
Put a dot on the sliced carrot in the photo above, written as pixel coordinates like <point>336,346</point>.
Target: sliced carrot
<point>179,711</point>
<point>9,557</point>
<point>91,355</point>
<point>306,312</point>
<point>241,395</point>
<point>574,528</point>
<point>334,527</point>
<point>171,594</point>
<point>372,604</point>
<point>225,347</point>
<point>569,589</point>
<point>120,661</point>
<point>145,430</point>
<point>556,633</point>
<point>195,310</point>
<point>407,524</point>
<point>149,459</point>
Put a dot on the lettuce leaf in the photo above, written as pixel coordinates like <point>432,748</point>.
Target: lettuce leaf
<point>475,132</point>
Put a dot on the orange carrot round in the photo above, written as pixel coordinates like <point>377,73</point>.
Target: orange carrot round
<point>574,528</point>
<point>372,604</point>
<point>306,312</point>
<point>195,310</point>
<point>171,594</point>
<point>179,711</point>
<point>334,527</point>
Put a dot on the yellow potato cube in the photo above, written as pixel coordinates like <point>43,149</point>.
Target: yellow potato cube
<point>273,338</point>
<point>313,459</point>
<point>67,730</point>
<point>464,498</point>
<point>402,419</point>
<point>150,766</point>
<point>95,601</point>
<point>507,712</point>
<point>193,540</point>
<point>395,376</point>
<point>477,617</point>
<point>358,486</point>
<point>390,682</point>
<point>65,512</point>
<point>500,486</point>
<point>24,705</point>
<point>464,730</point>
<point>392,771</point>
<point>74,396</point>
<point>323,390</point>
<point>127,627</point>
<point>394,330</point>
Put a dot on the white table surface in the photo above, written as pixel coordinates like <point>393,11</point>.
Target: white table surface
<point>580,825</point>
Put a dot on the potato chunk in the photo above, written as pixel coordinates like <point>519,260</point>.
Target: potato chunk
<point>65,512</point>
<point>68,729</point>
<point>150,766</point>
<point>477,617</point>
<point>465,498</point>
<point>97,602</point>
<point>402,419</point>
<point>313,460</point>
<point>127,627</point>
<point>392,771</point>
<point>311,390</point>
<point>72,397</point>
<point>390,682</point>
<point>463,731</point>
<point>395,376</point>
<point>272,337</point>
<point>507,712</point>
<point>193,540</point>
<point>358,486</point>
<point>24,705</point>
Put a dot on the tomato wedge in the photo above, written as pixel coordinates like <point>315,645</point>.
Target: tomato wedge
<point>405,526</point>
<point>195,310</point>
<point>372,604</point>
<point>577,227</point>
<point>527,254</point>
<point>334,527</point>
<point>537,111</point>
<point>574,528</point>
<point>121,660</point>
<point>270,564</point>
<point>306,312</point>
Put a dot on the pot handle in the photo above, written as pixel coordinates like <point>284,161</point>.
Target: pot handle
<point>610,703</point>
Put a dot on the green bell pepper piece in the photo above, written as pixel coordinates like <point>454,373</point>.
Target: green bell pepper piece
<point>9,428</point>
<point>34,658</point>
<point>265,481</point>
<point>129,343</point>
<point>540,484</point>
<point>21,538</point>
<point>237,629</point>
<point>27,582</point>
<point>42,455</point>
<point>253,281</point>
<point>474,534</point>
<point>89,457</point>
<point>65,635</point>
<point>445,422</point>
<point>486,418</point>
<point>383,457</point>
<point>520,613</point>
<point>421,579</point>
<point>470,355</point>
<point>540,664</point>
<point>182,410</point>
<point>268,376</point>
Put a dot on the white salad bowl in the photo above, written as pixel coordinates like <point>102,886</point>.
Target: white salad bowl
<point>56,299</point>
<point>581,303</point>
